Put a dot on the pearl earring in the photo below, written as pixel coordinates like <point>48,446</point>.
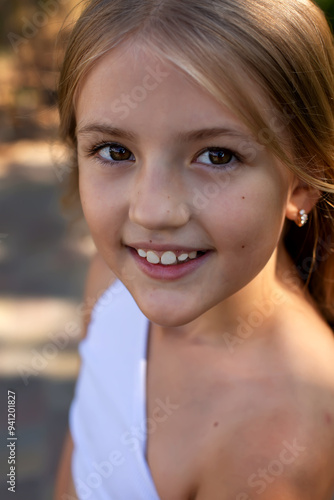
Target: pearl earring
<point>301,218</point>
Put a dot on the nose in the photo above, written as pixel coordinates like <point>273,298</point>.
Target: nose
<point>158,198</point>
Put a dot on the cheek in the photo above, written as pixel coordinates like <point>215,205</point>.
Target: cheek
<point>248,219</point>
<point>90,197</point>
<point>101,206</point>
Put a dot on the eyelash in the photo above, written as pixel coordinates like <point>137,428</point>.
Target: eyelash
<point>93,153</point>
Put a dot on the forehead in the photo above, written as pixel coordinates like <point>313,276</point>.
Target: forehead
<point>132,87</point>
<point>131,84</point>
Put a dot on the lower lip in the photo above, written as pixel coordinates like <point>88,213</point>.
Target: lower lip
<point>173,272</point>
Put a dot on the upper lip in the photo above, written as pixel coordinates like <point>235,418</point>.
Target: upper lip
<point>166,247</point>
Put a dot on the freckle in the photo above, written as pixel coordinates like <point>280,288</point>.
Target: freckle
<point>215,424</point>
<point>328,418</point>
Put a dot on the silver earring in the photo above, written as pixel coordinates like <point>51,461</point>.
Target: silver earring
<point>301,218</point>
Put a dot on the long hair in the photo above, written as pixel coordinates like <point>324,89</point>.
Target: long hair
<point>285,47</point>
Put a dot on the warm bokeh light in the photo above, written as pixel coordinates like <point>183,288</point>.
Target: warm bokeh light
<point>43,259</point>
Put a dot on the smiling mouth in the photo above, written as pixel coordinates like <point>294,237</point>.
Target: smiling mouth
<point>168,258</point>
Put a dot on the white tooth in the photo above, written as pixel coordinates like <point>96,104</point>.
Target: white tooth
<point>168,258</point>
<point>193,255</point>
<point>183,257</point>
<point>142,253</point>
<point>152,258</point>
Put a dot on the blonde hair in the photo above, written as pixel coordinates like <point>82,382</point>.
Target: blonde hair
<point>285,47</point>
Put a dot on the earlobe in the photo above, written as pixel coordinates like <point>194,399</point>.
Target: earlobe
<point>301,218</point>
<point>302,199</point>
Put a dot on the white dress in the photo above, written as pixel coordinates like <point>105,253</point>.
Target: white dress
<point>108,413</point>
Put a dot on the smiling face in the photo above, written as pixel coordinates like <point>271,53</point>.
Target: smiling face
<point>147,175</point>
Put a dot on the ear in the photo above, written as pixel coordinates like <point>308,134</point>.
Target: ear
<point>302,197</point>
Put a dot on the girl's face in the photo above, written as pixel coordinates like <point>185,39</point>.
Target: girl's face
<point>163,166</point>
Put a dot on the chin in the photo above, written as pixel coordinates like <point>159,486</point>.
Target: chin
<point>165,317</point>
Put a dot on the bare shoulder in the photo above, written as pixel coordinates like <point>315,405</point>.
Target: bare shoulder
<point>99,279</point>
<point>304,348</point>
<point>310,373</point>
<point>276,438</point>
<point>308,350</point>
<point>304,353</point>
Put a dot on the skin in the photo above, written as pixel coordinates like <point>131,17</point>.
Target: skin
<point>152,197</point>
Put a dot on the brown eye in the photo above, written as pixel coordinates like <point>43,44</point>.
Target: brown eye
<point>113,153</point>
<point>119,153</point>
<point>217,157</point>
<point>220,156</point>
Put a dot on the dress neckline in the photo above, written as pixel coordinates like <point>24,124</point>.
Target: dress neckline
<point>142,408</point>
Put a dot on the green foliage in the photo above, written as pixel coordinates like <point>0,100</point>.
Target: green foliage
<point>328,8</point>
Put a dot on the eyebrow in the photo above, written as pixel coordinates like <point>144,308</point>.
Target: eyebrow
<point>190,136</point>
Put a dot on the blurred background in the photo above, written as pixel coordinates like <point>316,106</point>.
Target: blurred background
<point>43,258</point>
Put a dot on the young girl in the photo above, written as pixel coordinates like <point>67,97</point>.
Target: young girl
<point>203,133</point>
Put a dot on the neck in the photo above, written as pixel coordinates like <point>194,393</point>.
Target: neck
<point>250,312</point>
